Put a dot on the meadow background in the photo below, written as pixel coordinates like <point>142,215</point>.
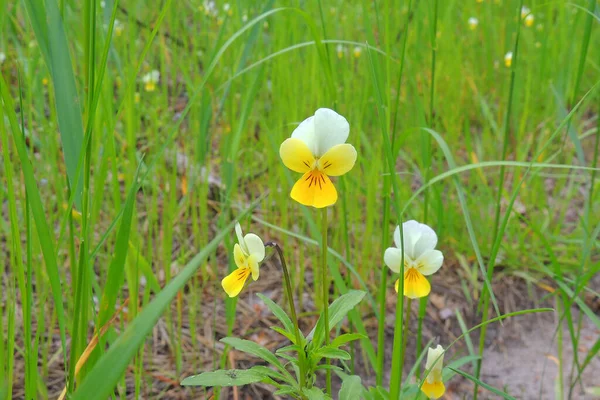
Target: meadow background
<point>118,189</point>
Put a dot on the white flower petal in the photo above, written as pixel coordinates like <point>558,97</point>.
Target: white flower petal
<point>434,364</point>
<point>330,129</point>
<point>411,235</point>
<point>425,242</point>
<point>393,258</point>
<point>430,262</point>
<point>240,238</point>
<point>306,132</point>
<point>255,246</point>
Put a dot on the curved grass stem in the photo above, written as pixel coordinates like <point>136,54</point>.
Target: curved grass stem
<point>325,286</point>
<point>290,296</point>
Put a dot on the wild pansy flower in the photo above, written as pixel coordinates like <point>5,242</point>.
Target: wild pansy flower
<point>118,28</point>
<point>357,51</point>
<point>508,59</point>
<point>318,150</point>
<point>529,20</point>
<point>227,9</point>
<point>150,80</point>
<point>247,253</point>
<point>433,387</point>
<point>340,50</point>
<point>420,258</point>
<point>524,11</point>
<point>473,22</point>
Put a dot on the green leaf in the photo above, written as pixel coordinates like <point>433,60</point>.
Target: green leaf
<point>284,333</point>
<point>345,338</point>
<point>285,390</point>
<point>314,394</point>
<point>266,371</point>
<point>101,380</point>
<point>52,40</point>
<point>337,311</point>
<point>332,352</point>
<point>223,377</point>
<point>281,315</point>
<point>252,348</point>
<point>484,385</point>
<point>351,386</point>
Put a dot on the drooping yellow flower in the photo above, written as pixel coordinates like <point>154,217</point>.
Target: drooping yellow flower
<point>508,59</point>
<point>433,387</point>
<point>247,253</point>
<point>420,258</point>
<point>318,150</point>
<point>150,80</point>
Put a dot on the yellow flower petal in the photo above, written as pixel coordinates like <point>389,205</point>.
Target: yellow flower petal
<point>415,284</point>
<point>239,256</point>
<point>234,282</point>
<point>314,189</point>
<point>296,155</point>
<point>433,390</point>
<point>338,160</point>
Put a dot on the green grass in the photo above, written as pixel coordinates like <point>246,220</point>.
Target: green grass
<point>108,190</point>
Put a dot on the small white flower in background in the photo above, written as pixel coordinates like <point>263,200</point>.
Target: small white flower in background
<point>529,20</point>
<point>508,59</point>
<point>525,11</point>
<point>209,7</point>
<point>433,387</point>
<point>357,51</point>
<point>150,80</point>
<point>340,50</point>
<point>420,258</point>
<point>227,8</point>
<point>473,22</point>
<point>2,57</point>
<point>118,28</point>
<point>244,18</point>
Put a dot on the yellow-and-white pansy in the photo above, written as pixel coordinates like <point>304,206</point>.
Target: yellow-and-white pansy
<point>529,20</point>
<point>248,252</point>
<point>357,51</point>
<point>524,11</point>
<point>508,59</point>
<point>473,22</point>
<point>150,80</point>
<point>420,258</point>
<point>433,386</point>
<point>318,150</point>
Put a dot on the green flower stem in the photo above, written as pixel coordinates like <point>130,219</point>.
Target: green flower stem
<point>406,324</point>
<point>325,285</point>
<point>290,296</point>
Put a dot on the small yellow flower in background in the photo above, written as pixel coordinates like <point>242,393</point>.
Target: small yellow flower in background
<point>420,258</point>
<point>433,387</point>
<point>45,81</point>
<point>136,97</point>
<point>118,28</point>
<point>529,20</point>
<point>318,150</point>
<point>247,253</point>
<point>508,59</point>
<point>340,50</point>
<point>150,80</point>
<point>357,51</point>
<point>480,1</point>
<point>227,9</point>
<point>473,22</point>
